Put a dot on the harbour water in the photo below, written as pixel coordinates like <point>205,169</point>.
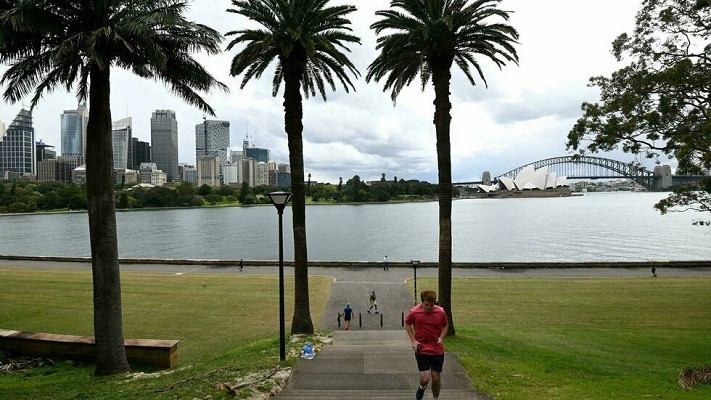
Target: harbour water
<point>617,226</point>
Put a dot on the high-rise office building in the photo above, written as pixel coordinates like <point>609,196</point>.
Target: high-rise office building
<point>73,131</point>
<point>261,174</point>
<point>257,154</point>
<point>121,137</point>
<point>212,138</point>
<point>141,152</point>
<point>188,173</point>
<point>284,168</point>
<point>248,168</point>
<point>17,147</point>
<point>57,169</point>
<point>208,171</point>
<point>164,142</point>
<point>44,151</point>
<point>283,179</point>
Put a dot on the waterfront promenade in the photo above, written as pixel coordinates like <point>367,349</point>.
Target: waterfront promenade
<point>398,271</point>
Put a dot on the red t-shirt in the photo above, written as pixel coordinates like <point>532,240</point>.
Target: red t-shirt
<point>428,327</point>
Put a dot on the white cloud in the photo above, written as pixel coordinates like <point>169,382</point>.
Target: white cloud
<point>523,115</point>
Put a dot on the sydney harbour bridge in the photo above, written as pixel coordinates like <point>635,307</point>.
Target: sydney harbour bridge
<point>588,167</point>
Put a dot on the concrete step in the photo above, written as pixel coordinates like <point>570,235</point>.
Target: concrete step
<point>408,394</point>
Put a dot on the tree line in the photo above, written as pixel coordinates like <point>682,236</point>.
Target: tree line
<point>27,197</point>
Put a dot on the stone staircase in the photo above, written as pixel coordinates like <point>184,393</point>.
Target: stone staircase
<point>371,364</point>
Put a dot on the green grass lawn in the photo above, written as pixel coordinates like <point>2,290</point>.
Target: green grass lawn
<point>581,338</point>
<point>517,338</point>
<point>227,326</point>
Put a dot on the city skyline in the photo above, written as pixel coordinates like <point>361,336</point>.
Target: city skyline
<point>524,115</point>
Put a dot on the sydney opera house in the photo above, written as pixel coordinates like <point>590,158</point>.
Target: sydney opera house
<point>529,182</point>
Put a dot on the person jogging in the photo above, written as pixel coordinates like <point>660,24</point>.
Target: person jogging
<point>373,303</point>
<point>347,315</point>
<point>426,325</point>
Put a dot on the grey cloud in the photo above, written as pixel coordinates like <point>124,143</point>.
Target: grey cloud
<point>559,103</point>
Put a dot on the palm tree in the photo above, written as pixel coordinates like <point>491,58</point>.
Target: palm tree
<point>60,43</point>
<point>425,37</point>
<point>305,38</point>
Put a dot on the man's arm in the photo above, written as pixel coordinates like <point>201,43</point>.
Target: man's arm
<point>442,334</point>
<point>411,333</point>
<point>445,329</point>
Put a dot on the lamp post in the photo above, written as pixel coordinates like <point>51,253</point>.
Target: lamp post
<point>280,199</point>
<point>414,271</point>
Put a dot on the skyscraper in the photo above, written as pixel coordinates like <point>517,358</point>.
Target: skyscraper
<point>73,131</point>
<point>212,138</point>
<point>17,147</point>
<point>164,142</point>
<point>141,152</point>
<point>258,154</point>
<point>121,137</point>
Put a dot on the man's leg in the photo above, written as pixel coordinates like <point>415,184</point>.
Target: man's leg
<point>424,380</point>
<point>436,383</point>
<point>425,377</point>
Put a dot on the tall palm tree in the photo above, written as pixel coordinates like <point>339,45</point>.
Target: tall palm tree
<point>60,43</point>
<point>305,39</point>
<point>425,37</point>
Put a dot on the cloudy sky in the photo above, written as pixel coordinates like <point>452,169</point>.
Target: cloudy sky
<point>524,115</point>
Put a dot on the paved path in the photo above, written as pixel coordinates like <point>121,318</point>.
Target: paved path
<point>395,274</point>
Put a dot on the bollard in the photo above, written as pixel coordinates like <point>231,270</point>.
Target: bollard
<point>402,321</point>
<point>360,320</point>
<point>381,320</point>
<point>339,320</point>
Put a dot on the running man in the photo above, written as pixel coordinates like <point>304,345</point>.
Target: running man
<point>347,315</point>
<point>427,325</point>
<point>373,303</point>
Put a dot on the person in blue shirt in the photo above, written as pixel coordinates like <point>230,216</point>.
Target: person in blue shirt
<point>347,315</point>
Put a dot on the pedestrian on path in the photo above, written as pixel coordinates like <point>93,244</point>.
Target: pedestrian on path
<point>373,303</point>
<point>654,272</point>
<point>241,265</point>
<point>427,325</point>
<point>347,315</point>
<point>385,263</point>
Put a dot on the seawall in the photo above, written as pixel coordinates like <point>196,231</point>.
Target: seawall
<point>392,264</point>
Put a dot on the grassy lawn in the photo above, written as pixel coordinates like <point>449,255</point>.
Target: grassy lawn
<point>227,326</point>
<point>517,338</point>
<point>582,338</point>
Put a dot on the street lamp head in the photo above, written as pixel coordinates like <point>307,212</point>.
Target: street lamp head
<point>279,199</point>
<point>414,262</point>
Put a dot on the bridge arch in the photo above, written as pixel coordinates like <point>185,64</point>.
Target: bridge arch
<point>578,167</point>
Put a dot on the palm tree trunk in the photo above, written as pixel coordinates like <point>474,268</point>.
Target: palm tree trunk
<point>440,78</point>
<point>293,114</point>
<point>108,321</point>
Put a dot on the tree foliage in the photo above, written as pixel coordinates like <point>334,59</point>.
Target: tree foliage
<point>658,104</point>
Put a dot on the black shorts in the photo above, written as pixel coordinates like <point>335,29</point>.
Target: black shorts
<point>426,362</point>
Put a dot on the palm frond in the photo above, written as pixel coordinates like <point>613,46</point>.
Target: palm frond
<point>51,43</point>
<point>304,35</point>
<point>426,34</point>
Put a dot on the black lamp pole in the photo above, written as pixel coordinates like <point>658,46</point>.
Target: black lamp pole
<point>280,199</point>
<point>414,270</point>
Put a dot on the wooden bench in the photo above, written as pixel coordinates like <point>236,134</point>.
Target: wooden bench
<point>161,353</point>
